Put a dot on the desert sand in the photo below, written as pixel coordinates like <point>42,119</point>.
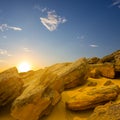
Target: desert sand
<point>60,112</point>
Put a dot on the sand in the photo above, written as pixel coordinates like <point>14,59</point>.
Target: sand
<point>60,112</point>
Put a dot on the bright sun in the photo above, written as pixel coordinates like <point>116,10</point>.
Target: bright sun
<point>24,67</point>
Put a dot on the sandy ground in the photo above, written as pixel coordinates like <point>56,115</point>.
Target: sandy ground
<point>60,112</point>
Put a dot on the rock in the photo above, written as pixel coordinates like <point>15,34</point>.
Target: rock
<point>43,91</point>
<point>24,75</point>
<point>109,111</point>
<point>113,58</point>
<point>117,61</point>
<point>10,86</point>
<point>38,98</point>
<point>108,82</point>
<point>92,84</point>
<point>75,74</point>
<point>91,98</point>
<point>93,60</point>
<point>104,70</point>
<point>72,74</point>
<point>95,73</point>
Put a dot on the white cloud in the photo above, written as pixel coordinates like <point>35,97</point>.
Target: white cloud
<point>41,9</point>
<point>52,20</point>
<point>27,50</point>
<point>116,3</point>
<point>94,46</point>
<point>5,52</point>
<point>4,27</point>
<point>44,9</point>
<point>15,28</point>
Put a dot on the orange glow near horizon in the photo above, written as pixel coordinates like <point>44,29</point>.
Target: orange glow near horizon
<point>24,67</point>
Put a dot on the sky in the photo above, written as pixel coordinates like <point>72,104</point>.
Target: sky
<point>45,32</point>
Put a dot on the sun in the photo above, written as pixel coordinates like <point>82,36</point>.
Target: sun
<point>24,67</point>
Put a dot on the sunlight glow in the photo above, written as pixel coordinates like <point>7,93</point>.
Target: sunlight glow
<point>24,67</point>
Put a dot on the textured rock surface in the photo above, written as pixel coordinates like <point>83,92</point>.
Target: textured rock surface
<point>113,58</point>
<point>43,91</point>
<point>93,60</point>
<point>37,99</point>
<point>75,74</point>
<point>91,98</point>
<point>10,86</point>
<point>104,70</point>
<point>72,74</point>
<point>106,112</point>
<point>117,61</point>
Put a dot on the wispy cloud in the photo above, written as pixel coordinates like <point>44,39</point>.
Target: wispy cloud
<point>52,20</point>
<point>5,52</point>
<point>116,3</point>
<point>93,45</point>
<point>27,49</point>
<point>5,27</point>
<point>41,9</point>
<point>37,7</point>
<point>44,9</point>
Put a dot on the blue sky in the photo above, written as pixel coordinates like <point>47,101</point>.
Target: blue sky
<point>44,32</point>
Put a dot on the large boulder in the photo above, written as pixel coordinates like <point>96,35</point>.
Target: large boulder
<point>117,61</point>
<point>103,69</point>
<point>109,111</point>
<point>75,74</point>
<point>10,86</point>
<point>72,74</point>
<point>90,98</point>
<point>113,58</point>
<point>93,60</point>
<point>38,98</point>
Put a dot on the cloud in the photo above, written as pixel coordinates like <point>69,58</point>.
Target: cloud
<point>37,7</point>
<point>5,27</point>
<point>52,20</point>
<point>27,50</point>
<point>116,3</point>
<point>41,9</point>
<point>5,52</point>
<point>94,46</point>
<point>44,9</point>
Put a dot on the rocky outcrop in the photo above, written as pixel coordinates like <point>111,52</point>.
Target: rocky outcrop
<point>75,74</point>
<point>113,58</point>
<point>37,99</point>
<point>43,92</point>
<point>91,98</point>
<point>117,61</point>
<point>104,70</point>
<point>72,74</point>
<point>110,111</point>
<point>10,86</point>
<point>93,60</point>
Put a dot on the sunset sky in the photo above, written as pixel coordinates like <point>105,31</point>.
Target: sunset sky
<point>44,32</point>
